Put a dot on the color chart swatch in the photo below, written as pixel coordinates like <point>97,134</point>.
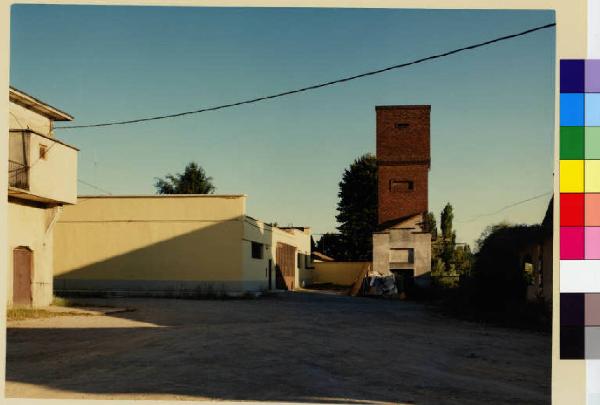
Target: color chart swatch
<point>579,209</point>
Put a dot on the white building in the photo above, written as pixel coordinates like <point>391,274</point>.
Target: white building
<point>42,177</point>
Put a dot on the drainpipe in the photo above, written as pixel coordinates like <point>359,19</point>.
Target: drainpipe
<point>56,214</point>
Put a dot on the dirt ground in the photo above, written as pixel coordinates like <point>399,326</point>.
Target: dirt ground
<point>296,347</point>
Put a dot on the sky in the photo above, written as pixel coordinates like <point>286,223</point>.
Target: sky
<point>492,109</point>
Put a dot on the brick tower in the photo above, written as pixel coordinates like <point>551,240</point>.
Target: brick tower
<point>403,158</point>
<point>402,246</point>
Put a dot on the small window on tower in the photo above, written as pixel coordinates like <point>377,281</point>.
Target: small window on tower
<point>43,151</point>
<point>401,186</point>
<point>401,125</point>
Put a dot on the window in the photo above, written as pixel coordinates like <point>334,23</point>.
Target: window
<point>43,151</point>
<point>257,250</point>
<point>402,255</point>
<point>401,186</point>
<point>300,261</point>
<point>401,125</point>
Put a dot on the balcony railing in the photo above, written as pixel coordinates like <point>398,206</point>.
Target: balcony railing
<point>18,175</point>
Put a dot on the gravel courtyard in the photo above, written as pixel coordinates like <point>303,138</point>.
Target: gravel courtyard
<point>295,347</point>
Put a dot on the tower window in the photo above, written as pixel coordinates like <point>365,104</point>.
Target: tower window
<point>401,125</point>
<point>401,186</point>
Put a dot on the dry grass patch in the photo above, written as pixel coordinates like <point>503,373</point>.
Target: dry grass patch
<point>19,314</point>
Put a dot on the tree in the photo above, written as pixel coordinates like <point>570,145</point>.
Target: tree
<point>448,237</point>
<point>357,208</point>
<point>192,181</point>
<point>430,225</point>
<point>330,245</point>
<point>446,218</point>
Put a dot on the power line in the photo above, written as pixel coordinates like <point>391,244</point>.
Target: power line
<point>507,207</point>
<point>316,86</point>
<point>94,187</point>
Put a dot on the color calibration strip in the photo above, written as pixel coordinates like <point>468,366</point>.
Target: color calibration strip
<point>579,209</point>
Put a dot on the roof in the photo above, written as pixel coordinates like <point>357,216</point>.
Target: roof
<point>404,107</point>
<point>393,222</point>
<point>32,103</point>
<point>323,257</point>
<point>164,196</point>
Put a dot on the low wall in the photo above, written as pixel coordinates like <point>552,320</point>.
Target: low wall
<point>340,273</point>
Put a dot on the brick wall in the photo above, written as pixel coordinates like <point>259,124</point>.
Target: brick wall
<point>403,156</point>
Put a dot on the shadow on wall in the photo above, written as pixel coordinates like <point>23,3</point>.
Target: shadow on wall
<point>197,261</point>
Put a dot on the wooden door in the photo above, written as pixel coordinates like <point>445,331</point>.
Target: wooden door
<point>286,266</point>
<point>22,275</point>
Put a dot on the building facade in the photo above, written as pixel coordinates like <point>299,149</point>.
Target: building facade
<point>402,246</point>
<point>175,245</point>
<point>42,178</point>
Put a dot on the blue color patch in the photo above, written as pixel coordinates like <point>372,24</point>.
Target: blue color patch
<point>571,109</point>
<point>592,110</point>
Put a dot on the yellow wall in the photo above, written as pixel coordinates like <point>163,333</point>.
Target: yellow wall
<point>160,242</point>
<point>27,226</point>
<point>189,238</point>
<point>340,273</point>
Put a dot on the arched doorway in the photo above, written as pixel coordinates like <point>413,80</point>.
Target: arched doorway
<point>22,275</point>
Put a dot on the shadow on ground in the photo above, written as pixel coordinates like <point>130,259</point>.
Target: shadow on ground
<point>294,347</point>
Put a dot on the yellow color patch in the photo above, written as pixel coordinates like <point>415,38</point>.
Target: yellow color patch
<point>571,176</point>
<point>592,176</point>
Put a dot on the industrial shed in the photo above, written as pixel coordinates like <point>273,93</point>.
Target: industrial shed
<point>174,245</point>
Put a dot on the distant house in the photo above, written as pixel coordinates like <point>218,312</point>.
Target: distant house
<point>175,245</point>
<point>42,178</point>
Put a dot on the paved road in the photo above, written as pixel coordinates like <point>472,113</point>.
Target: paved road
<point>294,347</point>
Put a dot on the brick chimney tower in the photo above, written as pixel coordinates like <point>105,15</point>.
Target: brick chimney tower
<point>403,158</point>
<point>401,245</point>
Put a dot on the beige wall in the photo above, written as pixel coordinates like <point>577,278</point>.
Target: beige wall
<point>23,118</point>
<point>31,227</point>
<point>150,243</point>
<point>55,177</point>
<point>414,253</point>
<point>340,273</point>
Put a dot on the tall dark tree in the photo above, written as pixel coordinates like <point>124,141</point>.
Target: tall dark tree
<point>430,225</point>
<point>193,180</point>
<point>330,245</point>
<point>357,208</point>
<point>448,237</point>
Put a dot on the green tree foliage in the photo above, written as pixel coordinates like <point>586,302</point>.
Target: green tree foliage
<point>448,237</point>
<point>430,225</point>
<point>446,218</point>
<point>357,208</point>
<point>449,260</point>
<point>330,245</point>
<point>192,181</point>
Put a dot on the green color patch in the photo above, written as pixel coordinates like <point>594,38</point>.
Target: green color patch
<point>592,143</point>
<point>572,142</point>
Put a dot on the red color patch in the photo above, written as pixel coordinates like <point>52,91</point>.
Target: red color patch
<point>572,209</point>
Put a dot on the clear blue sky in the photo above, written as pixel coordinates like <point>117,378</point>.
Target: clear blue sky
<point>492,113</point>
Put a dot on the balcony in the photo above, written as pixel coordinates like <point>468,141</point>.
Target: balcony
<point>18,175</point>
<point>41,168</point>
